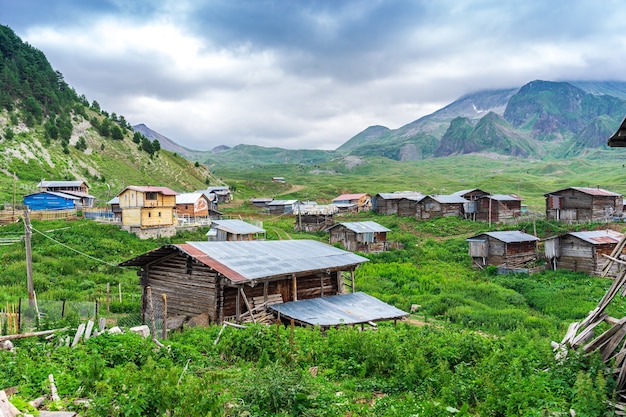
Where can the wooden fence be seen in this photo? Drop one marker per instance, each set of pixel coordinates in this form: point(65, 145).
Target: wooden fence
point(53, 214)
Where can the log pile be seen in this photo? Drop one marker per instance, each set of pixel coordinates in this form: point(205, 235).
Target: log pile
point(609, 343)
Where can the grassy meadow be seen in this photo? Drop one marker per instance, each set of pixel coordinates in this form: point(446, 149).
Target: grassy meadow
point(479, 345)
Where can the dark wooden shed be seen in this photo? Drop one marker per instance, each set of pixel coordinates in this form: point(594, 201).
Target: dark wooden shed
point(584, 251)
point(498, 207)
point(439, 206)
point(508, 249)
point(235, 280)
point(360, 236)
point(583, 204)
point(387, 203)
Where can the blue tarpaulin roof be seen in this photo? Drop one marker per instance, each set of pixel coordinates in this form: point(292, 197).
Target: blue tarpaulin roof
point(353, 308)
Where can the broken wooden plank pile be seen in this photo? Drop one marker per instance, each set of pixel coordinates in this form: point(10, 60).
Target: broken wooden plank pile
point(610, 343)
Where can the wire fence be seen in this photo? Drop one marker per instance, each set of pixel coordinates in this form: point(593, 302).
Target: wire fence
point(32, 315)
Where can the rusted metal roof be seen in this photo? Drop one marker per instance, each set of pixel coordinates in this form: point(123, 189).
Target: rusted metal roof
point(363, 227)
point(344, 197)
point(588, 190)
point(258, 260)
point(353, 308)
point(599, 237)
point(237, 227)
point(150, 188)
point(512, 236)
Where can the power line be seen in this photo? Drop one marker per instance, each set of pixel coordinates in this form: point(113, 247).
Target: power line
point(72, 249)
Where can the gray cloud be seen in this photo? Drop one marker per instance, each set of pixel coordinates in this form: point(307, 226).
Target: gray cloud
point(310, 74)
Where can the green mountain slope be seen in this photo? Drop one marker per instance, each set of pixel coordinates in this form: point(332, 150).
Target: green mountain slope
point(49, 132)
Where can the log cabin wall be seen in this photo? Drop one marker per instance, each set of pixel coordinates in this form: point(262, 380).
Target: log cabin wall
point(388, 207)
point(581, 256)
point(190, 286)
point(512, 255)
point(310, 286)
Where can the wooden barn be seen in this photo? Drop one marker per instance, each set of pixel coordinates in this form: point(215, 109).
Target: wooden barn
point(439, 206)
point(583, 251)
point(314, 218)
point(510, 249)
point(234, 230)
point(583, 204)
point(407, 206)
point(366, 237)
point(498, 207)
point(223, 281)
point(280, 207)
point(353, 202)
point(50, 200)
point(261, 202)
point(147, 207)
point(192, 205)
point(78, 189)
point(114, 206)
point(387, 203)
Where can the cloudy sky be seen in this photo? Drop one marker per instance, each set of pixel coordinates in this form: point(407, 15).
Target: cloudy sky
point(310, 73)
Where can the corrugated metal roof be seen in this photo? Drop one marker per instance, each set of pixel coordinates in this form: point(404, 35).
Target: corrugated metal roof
point(504, 197)
point(364, 227)
point(150, 188)
point(258, 259)
point(588, 190)
point(349, 197)
point(400, 194)
point(56, 184)
point(188, 198)
point(353, 308)
point(114, 200)
point(237, 227)
point(272, 258)
point(597, 237)
point(282, 203)
point(55, 193)
point(511, 236)
point(449, 199)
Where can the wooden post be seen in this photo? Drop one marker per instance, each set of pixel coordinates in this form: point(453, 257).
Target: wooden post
point(119, 288)
point(352, 278)
point(151, 311)
point(294, 289)
point(29, 259)
point(164, 325)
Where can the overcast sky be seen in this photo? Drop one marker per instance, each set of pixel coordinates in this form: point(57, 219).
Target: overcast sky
point(310, 74)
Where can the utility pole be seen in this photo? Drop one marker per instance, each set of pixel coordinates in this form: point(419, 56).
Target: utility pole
point(29, 259)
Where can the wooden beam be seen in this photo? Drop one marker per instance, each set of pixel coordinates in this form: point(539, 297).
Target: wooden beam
point(245, 300)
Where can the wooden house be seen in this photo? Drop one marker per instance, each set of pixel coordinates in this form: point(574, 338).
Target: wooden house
point(237, 280)
point(439, 206)
point(261, 202)
point(366, 237)
point(233, 230)
point(50, 200)
point(583, 204)
point(498, 207)
point(114, 206)
point(407, 206)
point(280, 207)
point(472, 196)
point(222, 193)
point(618, 139)
point(313, 218)
point(147, 207)
point(387, 203)
point(583, 251)
point(192, 205)
point(78, 189)
point(353, 202)
point(509, 249)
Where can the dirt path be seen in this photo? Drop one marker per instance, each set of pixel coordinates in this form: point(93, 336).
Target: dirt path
point(293, 189)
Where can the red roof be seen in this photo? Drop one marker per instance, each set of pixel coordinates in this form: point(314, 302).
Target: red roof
point(349, 197)
point(151, 189)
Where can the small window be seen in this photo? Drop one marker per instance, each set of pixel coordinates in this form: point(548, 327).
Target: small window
point(149, 214)
point(151, 196)
point(159, 214)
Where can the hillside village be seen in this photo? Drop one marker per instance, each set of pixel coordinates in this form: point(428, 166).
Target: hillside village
point(339, 291)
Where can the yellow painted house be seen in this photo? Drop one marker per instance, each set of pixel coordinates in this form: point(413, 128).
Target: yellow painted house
point(147, 206)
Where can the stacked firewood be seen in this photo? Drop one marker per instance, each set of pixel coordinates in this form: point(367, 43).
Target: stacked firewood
point(610, 342)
